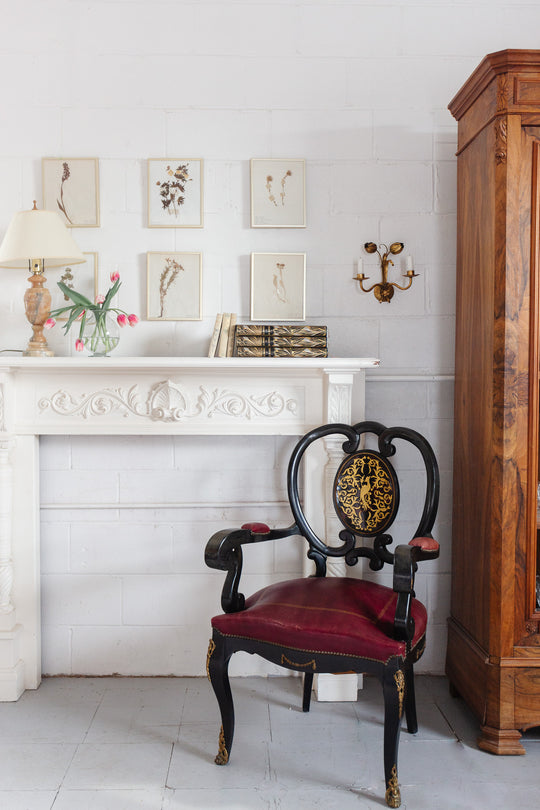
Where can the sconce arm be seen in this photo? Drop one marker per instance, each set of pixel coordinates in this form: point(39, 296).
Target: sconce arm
point(410, 275)
point(361, 280)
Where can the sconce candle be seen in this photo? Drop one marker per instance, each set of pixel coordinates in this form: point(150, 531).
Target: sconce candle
point(384, 289)
point(359, 269)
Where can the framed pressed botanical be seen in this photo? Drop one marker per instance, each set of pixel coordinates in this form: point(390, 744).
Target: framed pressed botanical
point(278, 193)
point(278, 286)
point(71, 188)
point(175, 193)
point(80, 277)
point(174, 286)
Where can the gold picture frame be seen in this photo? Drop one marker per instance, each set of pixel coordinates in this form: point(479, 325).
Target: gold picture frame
point(278, 287)
point(278, 193)
point(71, 188)
point(175, 193)
point(174, 286)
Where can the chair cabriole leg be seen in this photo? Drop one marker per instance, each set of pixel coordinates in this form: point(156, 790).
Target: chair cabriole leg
point(217, 666)
point(410, 700)
point(394, 695)
point(308, 685)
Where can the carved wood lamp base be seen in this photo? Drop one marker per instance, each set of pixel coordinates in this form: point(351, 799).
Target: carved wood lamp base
point(37, 305)
point(33, 350)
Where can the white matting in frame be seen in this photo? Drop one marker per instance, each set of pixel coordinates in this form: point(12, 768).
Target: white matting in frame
point(278, 286)
point(174, 286)
point(80, 277)
point(175, 193)
point(278, 193)
point(71, 188)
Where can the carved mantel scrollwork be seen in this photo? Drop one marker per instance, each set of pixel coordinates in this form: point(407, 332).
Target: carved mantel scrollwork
point(99, 403)
point(168, 402)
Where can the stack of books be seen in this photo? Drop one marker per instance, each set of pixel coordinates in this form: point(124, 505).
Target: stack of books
point(222, 340)
point(273, 340)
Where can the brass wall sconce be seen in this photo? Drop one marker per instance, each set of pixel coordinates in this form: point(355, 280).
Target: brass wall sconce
point(384, 289)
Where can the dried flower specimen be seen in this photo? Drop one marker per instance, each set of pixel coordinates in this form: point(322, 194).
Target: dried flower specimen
point(173, 188)
point(66, 174)
point(67, 279)
point(279, 284)
point(167, 278)
point(71, 188)
point(175, 192)
point(288, 173)
point(269, 180)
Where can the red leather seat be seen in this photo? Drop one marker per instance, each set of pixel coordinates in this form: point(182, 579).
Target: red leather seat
point(338, 615)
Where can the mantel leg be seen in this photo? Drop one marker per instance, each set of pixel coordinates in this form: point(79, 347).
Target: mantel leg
point(341, 687)
point(26, 554)
point(11, 664)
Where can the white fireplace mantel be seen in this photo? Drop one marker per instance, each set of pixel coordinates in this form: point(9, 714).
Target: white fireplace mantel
point(137, 396)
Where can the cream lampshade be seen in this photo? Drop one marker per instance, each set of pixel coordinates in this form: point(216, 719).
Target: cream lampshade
point(33, 240)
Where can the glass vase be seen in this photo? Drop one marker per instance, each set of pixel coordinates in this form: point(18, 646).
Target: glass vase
point(101, 334)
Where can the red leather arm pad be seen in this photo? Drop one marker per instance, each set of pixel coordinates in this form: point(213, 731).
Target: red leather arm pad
point(425, 543)
point(257, 528)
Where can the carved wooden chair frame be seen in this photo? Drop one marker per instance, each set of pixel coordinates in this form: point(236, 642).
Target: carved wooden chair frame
point(224, 552)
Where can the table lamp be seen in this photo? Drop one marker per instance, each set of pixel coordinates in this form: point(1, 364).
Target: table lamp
point(35, 239)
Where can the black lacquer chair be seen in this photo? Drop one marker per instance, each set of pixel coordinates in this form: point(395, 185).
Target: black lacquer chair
point(335, 624)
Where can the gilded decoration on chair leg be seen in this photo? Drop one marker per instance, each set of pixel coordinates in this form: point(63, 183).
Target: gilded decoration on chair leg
point(399, 678)
point(392, 795)
point(222, 754)
point(211, 648)
point(420, 647)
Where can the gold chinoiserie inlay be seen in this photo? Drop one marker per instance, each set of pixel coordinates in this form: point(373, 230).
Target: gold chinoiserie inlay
point(365, 493)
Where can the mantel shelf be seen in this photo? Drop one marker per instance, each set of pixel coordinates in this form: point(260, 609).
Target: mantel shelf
point(92, 364)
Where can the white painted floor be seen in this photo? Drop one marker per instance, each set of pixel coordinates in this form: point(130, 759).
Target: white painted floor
point(128, 743)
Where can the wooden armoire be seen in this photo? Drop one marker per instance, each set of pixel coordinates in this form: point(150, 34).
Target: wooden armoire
point(493, 657)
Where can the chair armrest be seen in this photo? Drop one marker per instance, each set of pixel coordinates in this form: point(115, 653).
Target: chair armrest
point(224, 552)
point(403, 585)
point(405, 565)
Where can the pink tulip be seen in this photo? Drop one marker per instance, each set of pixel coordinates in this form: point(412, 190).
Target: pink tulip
point(115, 276)
point(122, 320)
point(49, 323)
point(133, 320)
point(79, 345)
point(100, 299)
point(79, 317)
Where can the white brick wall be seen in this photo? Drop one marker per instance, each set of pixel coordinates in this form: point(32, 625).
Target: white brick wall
point(124, 584)
point(357, 88)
